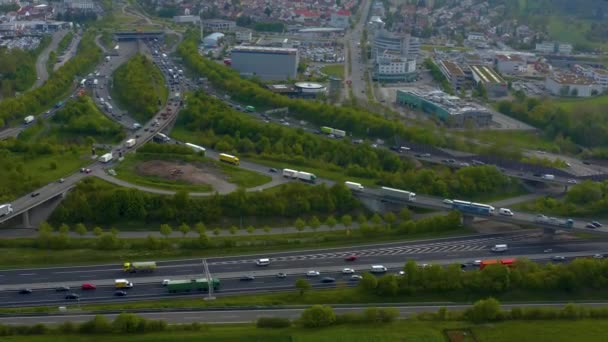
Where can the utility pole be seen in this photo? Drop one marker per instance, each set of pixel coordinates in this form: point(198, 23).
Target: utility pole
point(209, 281)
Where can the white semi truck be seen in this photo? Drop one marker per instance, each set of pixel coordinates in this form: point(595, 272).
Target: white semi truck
point(6, 209)
point(130, 143)
point(106, 158)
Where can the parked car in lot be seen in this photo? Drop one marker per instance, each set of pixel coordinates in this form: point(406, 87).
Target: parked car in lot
point(313, 273)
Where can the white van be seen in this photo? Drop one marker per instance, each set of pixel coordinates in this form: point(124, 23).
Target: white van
point(505, 212)
point(548, 177)
point(262, 262)
point(378, 269)
point(500, 248)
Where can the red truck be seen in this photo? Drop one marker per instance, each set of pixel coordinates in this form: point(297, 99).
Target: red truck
point(506, 262)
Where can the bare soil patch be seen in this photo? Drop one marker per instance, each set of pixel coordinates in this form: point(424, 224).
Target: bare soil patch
point(198, 173)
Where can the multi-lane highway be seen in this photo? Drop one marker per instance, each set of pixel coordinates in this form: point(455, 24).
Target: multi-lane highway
point(295, 264)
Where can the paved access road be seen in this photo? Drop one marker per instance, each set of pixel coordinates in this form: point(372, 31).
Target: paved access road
point(328, 262)
point(238, 315)
point(43, 58)
point(358, 66)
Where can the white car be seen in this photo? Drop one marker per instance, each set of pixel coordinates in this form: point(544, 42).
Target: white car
point(572, 181)
point(313, 273)
point(348, 271)
point(448, 201)
point(477, 262)
point(598, 256)
point(166, 282)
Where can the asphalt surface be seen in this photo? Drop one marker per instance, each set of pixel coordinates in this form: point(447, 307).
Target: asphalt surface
point(41, 70)
point(215, 316)
point(329, 262)
point(358, 66)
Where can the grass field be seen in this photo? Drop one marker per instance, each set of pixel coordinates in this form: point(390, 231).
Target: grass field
point(406, 330)
point(336, 70)
point(571, 105)
point(235, 175)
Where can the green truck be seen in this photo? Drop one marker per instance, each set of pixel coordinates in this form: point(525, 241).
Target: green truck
point(191, 285)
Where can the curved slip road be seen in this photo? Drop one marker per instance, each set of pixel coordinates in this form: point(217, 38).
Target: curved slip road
point(43, 59)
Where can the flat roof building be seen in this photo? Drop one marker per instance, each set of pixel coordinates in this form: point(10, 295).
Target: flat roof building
point(454, 73)
point(219, 25)
point(491, 81)
point(510, 64)
point(452, 110)
point(570, 84)
point(265, 62)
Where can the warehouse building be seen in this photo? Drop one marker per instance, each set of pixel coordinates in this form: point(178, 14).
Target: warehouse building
point(454, 73)
point(491, 81)
point(452, 110)
point(569, 84)
point(265, 62)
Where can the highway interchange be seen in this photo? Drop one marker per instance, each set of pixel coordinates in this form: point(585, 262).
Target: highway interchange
point(230, 269)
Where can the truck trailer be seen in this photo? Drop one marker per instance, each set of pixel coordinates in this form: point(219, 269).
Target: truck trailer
point(398, 194)
point(289, 173)
point(354, 186)
point(191, 285)
point(473, 208)
point(307, 177)
point(130, 143)
point(123, 284)
point(28, 119)
point(6, 209)
point(553, 221)
point(197, 149)
point(134, 267)
point(106, 158)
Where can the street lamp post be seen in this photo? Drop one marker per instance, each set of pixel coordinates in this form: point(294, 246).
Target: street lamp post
point(209, 281)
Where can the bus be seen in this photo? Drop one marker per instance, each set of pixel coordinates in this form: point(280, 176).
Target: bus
point(398, 194)
point(473, 208)
point(226, 158)
point(196, 148)
point(250, 109)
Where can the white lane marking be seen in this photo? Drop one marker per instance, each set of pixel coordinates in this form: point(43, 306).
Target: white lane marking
point(27, 274)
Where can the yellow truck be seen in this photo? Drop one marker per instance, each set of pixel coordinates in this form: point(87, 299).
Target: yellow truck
point(133, 267)
point(226, 158)
point(123, 284)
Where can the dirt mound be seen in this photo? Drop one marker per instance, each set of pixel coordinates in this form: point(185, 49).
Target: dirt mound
point(186, 173)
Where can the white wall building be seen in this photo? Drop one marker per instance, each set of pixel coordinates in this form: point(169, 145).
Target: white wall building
point(565, 49)
point(243, 36)
point(545, 47)
point(219, 25)
point(569, 84)
point(340, 19)
point(79, 4)
point(510, 64)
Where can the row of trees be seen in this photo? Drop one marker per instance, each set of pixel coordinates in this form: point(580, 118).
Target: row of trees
point(227, 130)
point(100, 203)
point(139, 87)
point(55, 87)
point(579, 275)
point(588, 126)
point(584, 199)
point(353, 120)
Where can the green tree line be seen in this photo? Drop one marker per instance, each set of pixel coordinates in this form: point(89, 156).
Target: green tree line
point(578, 276)
point(99, 203)
point(353, 120)
point(219, 126)
point(35, 101)
point(139, 87)
point(584, 199)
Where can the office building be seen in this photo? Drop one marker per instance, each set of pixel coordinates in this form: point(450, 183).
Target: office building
point(452, 110)
point(265, 62)
point(454, 73)
point(243, 36)
point(406, 45)
point(340, 19)
point(510, 64)
point(391, 67)
point(219, 25)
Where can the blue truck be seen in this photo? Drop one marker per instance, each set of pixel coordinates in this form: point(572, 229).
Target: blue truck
point(473, 208)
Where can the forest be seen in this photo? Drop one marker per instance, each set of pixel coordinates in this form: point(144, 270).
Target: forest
point(139, 87)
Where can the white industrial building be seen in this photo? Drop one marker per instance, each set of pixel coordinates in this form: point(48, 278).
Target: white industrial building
point(553, 47)
point(213, 39)
point(219, 25)
point(510, 64)
point(266, 63)
point(187, 19)
point(243, 36)
point(569, 84)
point(79, 4)
point(340, 19)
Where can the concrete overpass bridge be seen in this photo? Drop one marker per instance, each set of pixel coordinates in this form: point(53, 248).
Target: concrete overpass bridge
point(134, 35)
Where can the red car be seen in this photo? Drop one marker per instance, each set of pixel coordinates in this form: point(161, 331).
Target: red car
point(350, 258)
point(88, 286)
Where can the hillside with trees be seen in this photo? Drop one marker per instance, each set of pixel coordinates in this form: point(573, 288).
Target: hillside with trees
point(139, 87)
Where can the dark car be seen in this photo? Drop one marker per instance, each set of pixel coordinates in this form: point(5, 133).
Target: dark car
point(328, 280)
point(247, 278)
point(590, 226)
point(25, 291)
point(273, 170)
point(72, 296)
point(34, 194)
point(62, 289)
point(281, 275)
point(596, 224)
point(351, 258)
point(120, 293)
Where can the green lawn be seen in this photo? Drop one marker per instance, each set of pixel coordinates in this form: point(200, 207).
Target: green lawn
point(571, 105)
point(235, 175)
point(405, 330)
point(336, 70)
